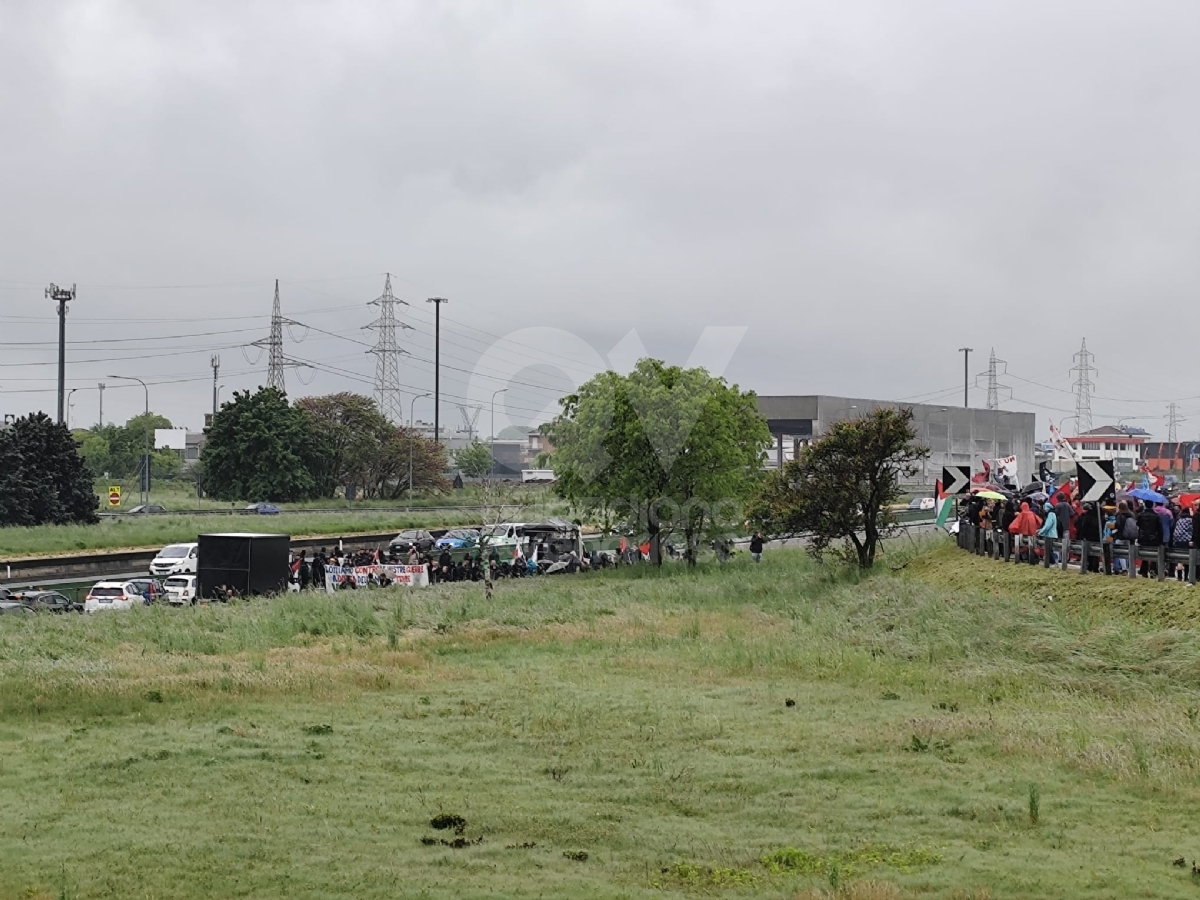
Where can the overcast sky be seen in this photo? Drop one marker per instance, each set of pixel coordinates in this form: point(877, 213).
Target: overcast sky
point(865, 186)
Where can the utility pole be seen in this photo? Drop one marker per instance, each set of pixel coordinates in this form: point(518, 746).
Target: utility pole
point(1173, 422)
point(1083, 388)
point(966, 352)
point(216, 367)
point(61, 296)
point(994, 387)
point(273, 344)
point(101, 386)
point(437, 364)
point(387, 354)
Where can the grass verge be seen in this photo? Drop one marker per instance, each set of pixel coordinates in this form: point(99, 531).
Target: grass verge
point(772, 730)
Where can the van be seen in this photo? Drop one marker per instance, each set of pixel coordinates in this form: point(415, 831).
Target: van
point(506, 535)
point(175, 559)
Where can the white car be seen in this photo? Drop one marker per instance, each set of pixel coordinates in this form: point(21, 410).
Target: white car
point(175, 559)
point(181, 590)
point(1194, 485)
point(113, 595)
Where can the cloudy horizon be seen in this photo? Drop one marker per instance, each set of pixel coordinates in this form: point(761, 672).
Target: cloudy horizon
point(865, 187)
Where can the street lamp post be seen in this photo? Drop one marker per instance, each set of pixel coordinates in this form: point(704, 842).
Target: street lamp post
point(411, 440)
point(145, 485)
point(69, 393)
point(492, 469)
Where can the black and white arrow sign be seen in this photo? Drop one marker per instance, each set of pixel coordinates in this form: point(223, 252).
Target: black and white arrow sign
point(956, 479)
point(1097, 483)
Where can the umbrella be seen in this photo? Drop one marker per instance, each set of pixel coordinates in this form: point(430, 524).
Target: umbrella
point(991, 495)
point(1037, 495)
point(1147, 495)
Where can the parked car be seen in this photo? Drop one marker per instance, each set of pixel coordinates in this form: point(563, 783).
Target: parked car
point(181, 590)
point(263, 509)
point(457, 539)
point(113, 595)
point(48, 601)
point(145, 509)
point(13, 607)
point(405, 539)
point(175, 559)
point(1194, 485)
point(503, 537)
point(921, 503)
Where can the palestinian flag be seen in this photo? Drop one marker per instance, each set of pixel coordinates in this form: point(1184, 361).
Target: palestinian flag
point(943, 505)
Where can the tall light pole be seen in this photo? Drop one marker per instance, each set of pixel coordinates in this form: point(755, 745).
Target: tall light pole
point(492, 470)
point(68, 419)
point(437, 363)
point(61, 296)
point(966, 352)
point(411, 439)
point(145, 485)
point(101, 386)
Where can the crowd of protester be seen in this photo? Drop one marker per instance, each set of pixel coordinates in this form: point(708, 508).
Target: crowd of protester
point(1116, 526)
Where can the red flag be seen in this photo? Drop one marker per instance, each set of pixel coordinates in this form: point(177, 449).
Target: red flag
point(938, 488)
point(624, 544)
point(645, 548)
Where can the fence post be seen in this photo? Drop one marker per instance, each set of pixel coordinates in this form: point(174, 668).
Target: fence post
point(1162, 562)
point(1047, 551)
point(1191, 566)
point(1005, 544)
point(1066, 554)
point(1135, 555)
point(1084, 553)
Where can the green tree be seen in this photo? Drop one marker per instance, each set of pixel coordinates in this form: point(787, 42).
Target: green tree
point(678, 450)
point(354, 433)
point(261, 448)
point(43, 479)
point(429, 464)
point(842, 487)
point(475, 459)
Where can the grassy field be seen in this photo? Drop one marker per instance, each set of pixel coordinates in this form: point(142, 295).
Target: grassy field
point(758, 731)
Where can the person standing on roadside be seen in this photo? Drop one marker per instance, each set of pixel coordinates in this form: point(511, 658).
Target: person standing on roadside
point(1063, 514)
point(303, 571)
point(756, 546)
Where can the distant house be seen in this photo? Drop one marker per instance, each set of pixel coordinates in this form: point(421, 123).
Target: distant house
point(1119, 443)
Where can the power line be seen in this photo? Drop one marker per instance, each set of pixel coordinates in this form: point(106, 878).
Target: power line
point(387, 354)
point(993, 385)
point(1084, 387)
point(1174, 420)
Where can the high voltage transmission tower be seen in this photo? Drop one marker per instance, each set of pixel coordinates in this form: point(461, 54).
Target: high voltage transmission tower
point(1174, 420)
point(273, 344)
point(387, 354)
point(993, 386)
point(1083, 387)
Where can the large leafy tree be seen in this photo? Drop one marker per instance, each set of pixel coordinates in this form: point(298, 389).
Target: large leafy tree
point(261, 448)
point(354, 433)
point(676, 450)
point(389, 476)
point(841, 488)
point(43, 479)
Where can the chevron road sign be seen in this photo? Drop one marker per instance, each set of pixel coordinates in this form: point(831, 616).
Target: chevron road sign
point(1097, 483)
point(956, 479)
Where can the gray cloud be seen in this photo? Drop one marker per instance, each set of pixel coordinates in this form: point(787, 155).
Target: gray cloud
point(868, 186)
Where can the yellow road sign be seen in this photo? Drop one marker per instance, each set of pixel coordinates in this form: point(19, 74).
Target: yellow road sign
point(114, 495)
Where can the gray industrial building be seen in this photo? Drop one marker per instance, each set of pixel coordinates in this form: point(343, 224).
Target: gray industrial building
point(954, 435)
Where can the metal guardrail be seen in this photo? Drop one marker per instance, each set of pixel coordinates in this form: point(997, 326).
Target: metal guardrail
point(1122, 558)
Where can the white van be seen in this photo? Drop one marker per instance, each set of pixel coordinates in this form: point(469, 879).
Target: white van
point(504, 536)
point(175, 559)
